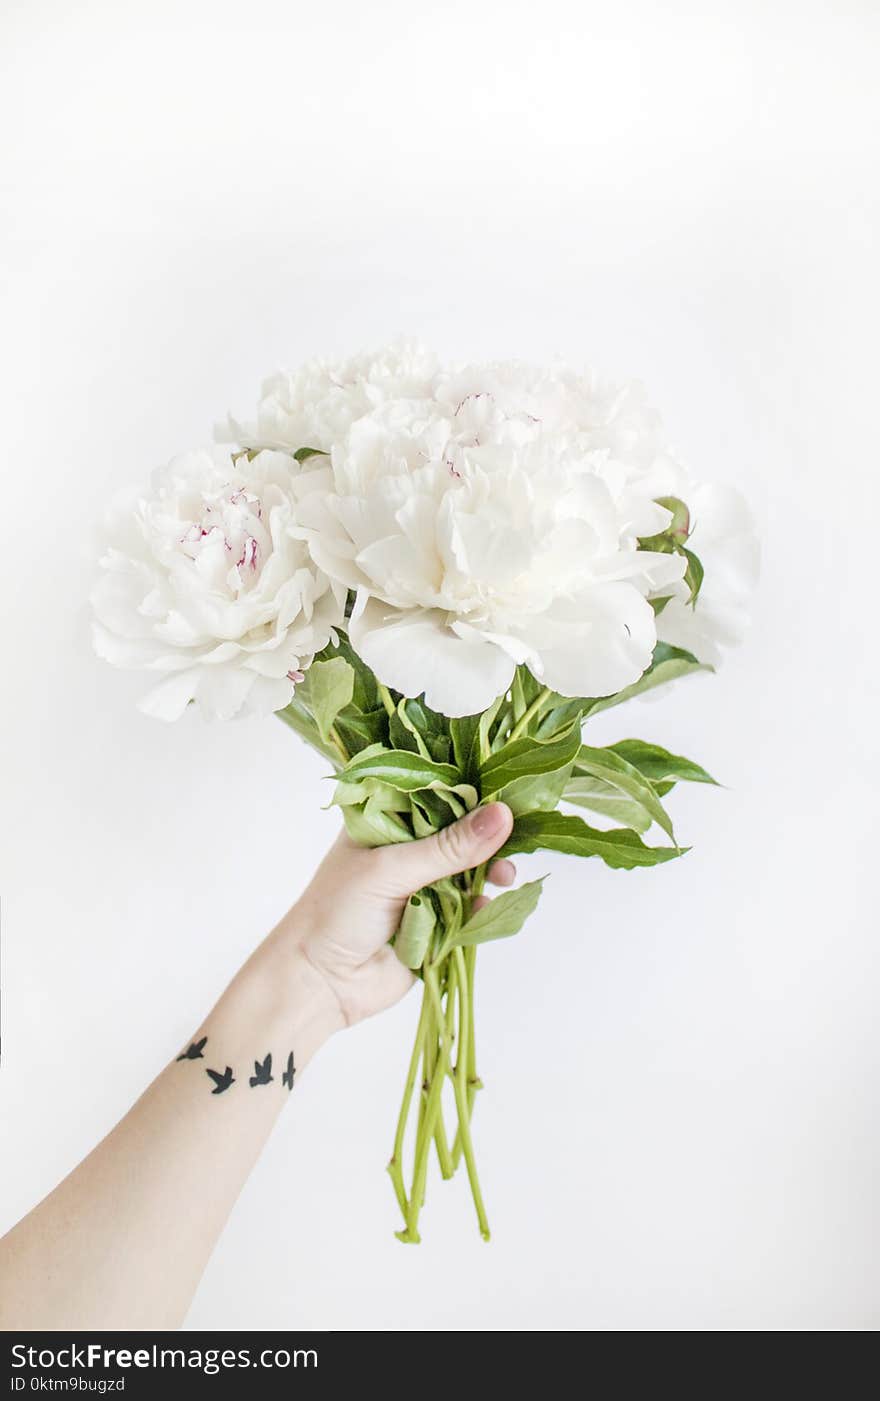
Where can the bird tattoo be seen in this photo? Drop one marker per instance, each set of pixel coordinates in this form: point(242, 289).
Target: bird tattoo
point(262, 1072)
point(221, 1082)
point(194, 1051)
point(287, 1077)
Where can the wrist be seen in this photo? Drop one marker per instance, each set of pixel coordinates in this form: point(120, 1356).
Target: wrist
point(291, 996)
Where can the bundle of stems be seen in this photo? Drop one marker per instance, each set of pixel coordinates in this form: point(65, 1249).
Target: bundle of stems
point(444, 1049)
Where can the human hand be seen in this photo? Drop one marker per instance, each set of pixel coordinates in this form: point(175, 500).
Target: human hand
point(341, 924)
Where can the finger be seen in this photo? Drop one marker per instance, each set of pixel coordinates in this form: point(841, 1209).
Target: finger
point(479, 902)
point(458, 847)
point(501, 872)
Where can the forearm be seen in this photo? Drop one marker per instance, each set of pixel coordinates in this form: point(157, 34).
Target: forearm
point(123, 1241)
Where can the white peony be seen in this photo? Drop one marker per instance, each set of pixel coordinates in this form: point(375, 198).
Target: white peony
point(490, 515)
point(314, 406)
point(624, 437)
point(479, 530)
point(204, 584)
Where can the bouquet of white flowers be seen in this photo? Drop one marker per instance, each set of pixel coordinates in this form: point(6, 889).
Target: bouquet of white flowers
point(435, 576)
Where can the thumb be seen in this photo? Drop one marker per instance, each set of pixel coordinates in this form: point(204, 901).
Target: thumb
point(468, 842)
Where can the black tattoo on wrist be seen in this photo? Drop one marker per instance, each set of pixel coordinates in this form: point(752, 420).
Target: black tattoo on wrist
point(262, 1072)
point(221, 1082)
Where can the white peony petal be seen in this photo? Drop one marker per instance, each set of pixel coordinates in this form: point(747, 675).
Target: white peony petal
point(223, 692)
point(267, 695)
point(597, 643)
point(416, 651)
point(169, 699)
point(650, 570)
point(515, 648)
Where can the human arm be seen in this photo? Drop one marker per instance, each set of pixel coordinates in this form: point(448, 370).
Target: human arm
point(122, 1242)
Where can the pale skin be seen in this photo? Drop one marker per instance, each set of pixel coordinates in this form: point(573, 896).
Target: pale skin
point(122, 1242)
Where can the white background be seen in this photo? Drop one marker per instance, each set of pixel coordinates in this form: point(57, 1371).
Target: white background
point(680, 1125)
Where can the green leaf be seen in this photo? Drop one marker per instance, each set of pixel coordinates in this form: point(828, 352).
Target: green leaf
point(374, 828)
point(517, 696)
point(658, 764)
point(539, 792)
point(297, 718)
point(561, 716)
point(366, 692)
point(413, 937)
point(402, 770)
point(331, 687)
point(441, 749)
point(415, 727)
point(680, 525)
point(424, 821)
point(460, 797)
point(693, 575)
point(672, 540)
point(668, 663)
point(464, 733)
point(528, 756)
point(487, 720)
point(596, 795)
point(384, 798)
point(430, 722)
point(558, 831)
point(502, 917)
point(614, 769)
point(403, 734)
point(531, 686)
point(448, 896)
point(443, 805)
point(665, 652)
point(358, 729)
point(377, 796)
point(303, 454)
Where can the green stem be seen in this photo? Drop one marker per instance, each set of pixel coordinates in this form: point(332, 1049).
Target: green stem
point(534, 709)
point(334, 735)
point(427, 1044)
point(459, 1079)
point(447, 1167)
point(505, 720)
point(470, 961)
point(395, 1167)
point(474, 1082)
point(474, 882)
point(449, 978)
point(478, 881)
point(432, 1108)
point(517, 695)
point(431, 1053)
point(385, 697)
point(444, 1156)
point(431, 1057)
point(432, 982)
